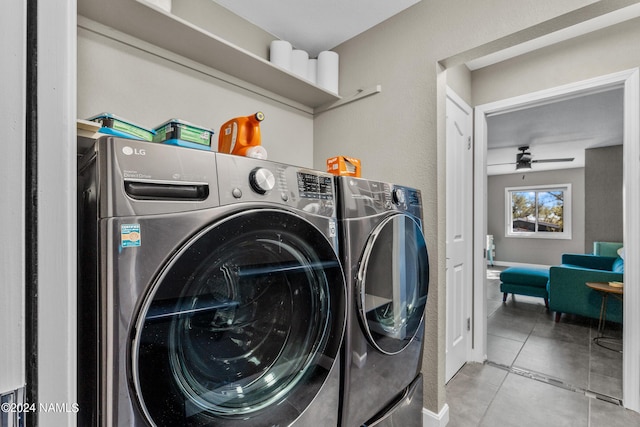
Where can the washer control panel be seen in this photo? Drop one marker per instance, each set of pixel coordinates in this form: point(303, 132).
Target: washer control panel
point(315, 186)
point(243, 179)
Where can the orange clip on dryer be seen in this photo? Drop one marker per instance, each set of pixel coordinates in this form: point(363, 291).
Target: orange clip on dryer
point(241, 136)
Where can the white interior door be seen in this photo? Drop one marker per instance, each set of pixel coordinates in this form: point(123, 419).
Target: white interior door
point(459, 219)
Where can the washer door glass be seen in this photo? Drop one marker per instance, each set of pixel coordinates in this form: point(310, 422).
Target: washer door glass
point(248, 314)
point(392, 283)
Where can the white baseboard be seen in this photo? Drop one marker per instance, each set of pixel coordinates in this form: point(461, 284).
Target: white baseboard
point(431, 419)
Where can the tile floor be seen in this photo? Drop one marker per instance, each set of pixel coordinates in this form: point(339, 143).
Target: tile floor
point(539, 372)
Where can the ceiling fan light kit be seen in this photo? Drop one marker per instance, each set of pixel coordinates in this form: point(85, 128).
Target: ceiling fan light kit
point(523, 165)
point(523, 159)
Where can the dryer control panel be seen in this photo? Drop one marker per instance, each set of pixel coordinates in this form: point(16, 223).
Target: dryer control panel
point(361, 198)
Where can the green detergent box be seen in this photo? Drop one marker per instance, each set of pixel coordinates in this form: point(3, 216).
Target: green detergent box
point(184, 134)
point(117, 126)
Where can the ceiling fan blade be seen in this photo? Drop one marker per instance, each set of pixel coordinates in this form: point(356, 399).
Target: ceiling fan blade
point(566, 159)
point(500, 164)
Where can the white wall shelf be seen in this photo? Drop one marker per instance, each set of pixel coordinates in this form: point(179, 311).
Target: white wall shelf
point(156, 26)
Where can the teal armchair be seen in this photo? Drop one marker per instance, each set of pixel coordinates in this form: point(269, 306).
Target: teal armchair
point(569, 294)
point(606, 248)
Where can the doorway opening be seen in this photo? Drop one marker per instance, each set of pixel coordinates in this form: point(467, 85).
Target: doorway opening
point(628, 81)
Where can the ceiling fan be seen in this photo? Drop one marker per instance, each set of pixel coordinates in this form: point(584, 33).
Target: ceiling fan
point(524, 159)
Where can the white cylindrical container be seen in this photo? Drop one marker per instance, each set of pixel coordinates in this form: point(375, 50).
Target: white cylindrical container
point(257, 152)
point(328, 67)
point(299, 63)
point(312, 70)
point(280, 54)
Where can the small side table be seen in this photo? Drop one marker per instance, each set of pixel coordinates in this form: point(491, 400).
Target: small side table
point(605, 289)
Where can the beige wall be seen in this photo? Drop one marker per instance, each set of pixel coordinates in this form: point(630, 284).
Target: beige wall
point(399, 133)
point(459, 80)
point(606, 51)
point(604, 202)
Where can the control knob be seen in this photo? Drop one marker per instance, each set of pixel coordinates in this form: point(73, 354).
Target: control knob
point(262, 180)
point(398, 196)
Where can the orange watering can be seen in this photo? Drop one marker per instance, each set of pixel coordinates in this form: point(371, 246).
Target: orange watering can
point(241, 136)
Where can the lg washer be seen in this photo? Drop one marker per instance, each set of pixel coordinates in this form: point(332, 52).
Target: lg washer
point(210, 292)
point(387, 273)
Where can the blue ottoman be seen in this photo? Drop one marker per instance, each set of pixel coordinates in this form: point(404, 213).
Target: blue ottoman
point(530, 281)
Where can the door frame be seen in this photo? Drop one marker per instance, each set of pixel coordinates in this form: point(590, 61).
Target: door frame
point(629, 80)
point(56, 183)
point(13, 105)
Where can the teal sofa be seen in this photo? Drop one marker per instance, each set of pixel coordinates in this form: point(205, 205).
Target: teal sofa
point(568, 292)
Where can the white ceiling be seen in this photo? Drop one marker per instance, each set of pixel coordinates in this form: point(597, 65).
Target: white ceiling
point(316, 25)
point(558, 130)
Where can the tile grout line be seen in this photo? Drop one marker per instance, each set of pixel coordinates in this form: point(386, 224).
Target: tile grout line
point(525, 341)
point(486, 409)
point(509, 369)
point(484, 414)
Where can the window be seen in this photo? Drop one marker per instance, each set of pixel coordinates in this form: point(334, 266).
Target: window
point(539, 212)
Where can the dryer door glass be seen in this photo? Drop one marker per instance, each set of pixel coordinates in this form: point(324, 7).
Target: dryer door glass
point(242, 326)
point(392, 283)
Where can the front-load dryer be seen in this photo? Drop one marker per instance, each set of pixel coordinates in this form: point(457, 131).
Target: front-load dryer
point(210, 292)
point(387, 273)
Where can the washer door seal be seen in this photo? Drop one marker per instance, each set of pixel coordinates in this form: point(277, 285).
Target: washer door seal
point(242, 325)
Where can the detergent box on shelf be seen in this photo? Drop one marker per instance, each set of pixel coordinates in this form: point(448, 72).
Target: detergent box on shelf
point(117, 126)
point(184, 134)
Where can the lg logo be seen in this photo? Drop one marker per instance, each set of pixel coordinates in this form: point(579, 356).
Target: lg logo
point(137, 151)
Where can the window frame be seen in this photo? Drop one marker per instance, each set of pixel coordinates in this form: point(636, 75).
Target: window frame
point(566, 234)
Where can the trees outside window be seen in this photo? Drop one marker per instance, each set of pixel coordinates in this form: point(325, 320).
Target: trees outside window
point(542, 211)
